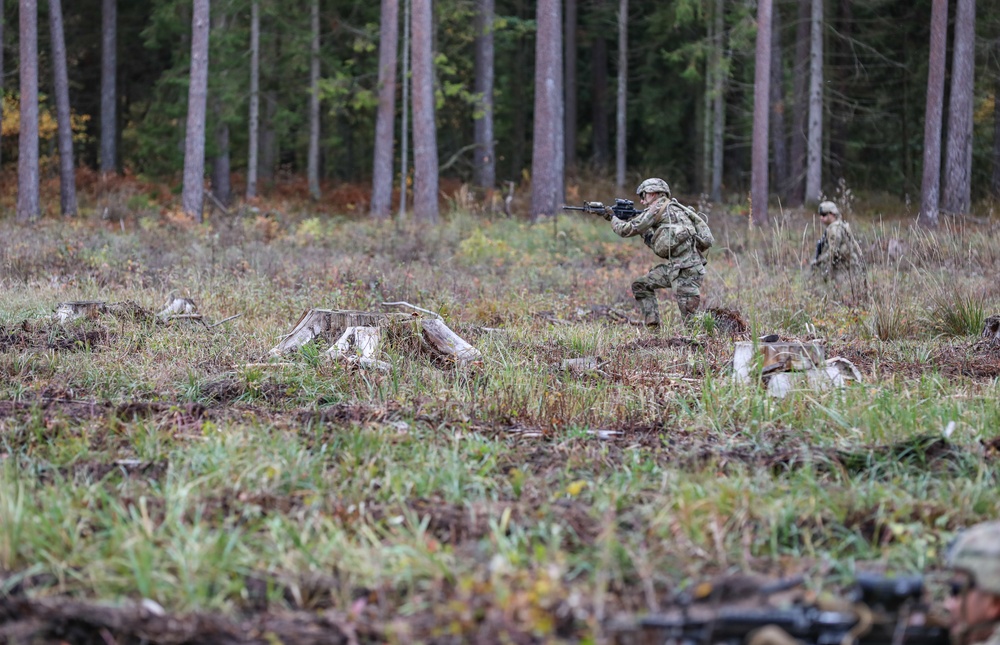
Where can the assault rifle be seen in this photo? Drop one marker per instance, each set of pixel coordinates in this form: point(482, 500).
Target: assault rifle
point(820, 245)
point(881, 611)
point(623, 208)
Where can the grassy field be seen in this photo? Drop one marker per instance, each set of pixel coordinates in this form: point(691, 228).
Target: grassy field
point(504, 501)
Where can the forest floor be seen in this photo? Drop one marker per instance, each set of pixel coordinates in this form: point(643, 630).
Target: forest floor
point(176, 483)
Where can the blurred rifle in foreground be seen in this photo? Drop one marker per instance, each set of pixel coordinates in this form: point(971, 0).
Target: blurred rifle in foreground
point(623, 208)
point(878, 611)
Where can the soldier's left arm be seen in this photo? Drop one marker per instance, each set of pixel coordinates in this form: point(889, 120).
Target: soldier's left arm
point(641, 222)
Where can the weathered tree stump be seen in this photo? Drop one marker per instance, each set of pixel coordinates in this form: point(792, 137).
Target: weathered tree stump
point(91, 309)
point(585, 365)
point(177, 308)
point(991, 328)
point(358, 346)
point(359, 333)
point(77, 309)
point(776, 357)
point(327, 324)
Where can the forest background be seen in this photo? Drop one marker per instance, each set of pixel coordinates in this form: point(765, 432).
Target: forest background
point(669, 91)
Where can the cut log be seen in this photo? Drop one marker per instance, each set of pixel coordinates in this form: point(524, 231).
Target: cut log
point(447, 343)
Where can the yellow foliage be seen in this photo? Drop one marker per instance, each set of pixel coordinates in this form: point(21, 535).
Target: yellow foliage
point(47, 126)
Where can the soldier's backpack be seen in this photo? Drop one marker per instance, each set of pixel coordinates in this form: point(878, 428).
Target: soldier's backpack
point(703, 238)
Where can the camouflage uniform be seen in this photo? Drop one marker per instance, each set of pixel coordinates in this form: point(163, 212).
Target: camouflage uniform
point(838, 260)
point(976, 553)
point(668, 231)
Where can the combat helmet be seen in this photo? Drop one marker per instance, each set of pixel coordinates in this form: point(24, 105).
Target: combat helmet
point(653, 185)
point(977, 553)
point(828, 207)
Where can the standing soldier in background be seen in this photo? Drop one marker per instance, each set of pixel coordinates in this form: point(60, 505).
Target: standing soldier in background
point(838, 260)
point(974, 603)
point(675, 233)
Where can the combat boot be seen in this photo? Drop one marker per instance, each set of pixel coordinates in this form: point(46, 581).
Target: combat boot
point(650, 312)
point(688, 306)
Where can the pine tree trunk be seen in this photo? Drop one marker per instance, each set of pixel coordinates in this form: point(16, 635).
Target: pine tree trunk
point(268, 138)
point(254, 126)
point(484, 166)
point(221, 181)
point(569, 82)
point(192, 198)
point(931, 182)
point(602, 138)
point(385, 117)
point(800, 110)
point(3, 24)
point(519, 128)
point(425, 154)
point(404, 134)
point(761, 96)
point(778, 138)
point(109, 95)
point(313, 159)
point(956, 194)
point(544, 168)
point(705, 181)
point(559, 125)
point(996, 130)
point(28, 198)
point(67, 176)
point(719, 97)
point(839, 79)
point(814, 139)
point(622, 97)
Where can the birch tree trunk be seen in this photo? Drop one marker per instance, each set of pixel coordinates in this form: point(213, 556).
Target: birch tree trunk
point(956, 196)
point(28, 198)
point(814, 139)
point(777, 100)
point(569, 82)
point(67, 170)
point(931, 180)
point(109, 92)
point(548, 44)
point(254, 126)
point(706, 138)
point(800, 110)
point(761, 96)
point(425, 154)
point(385, 117)
point(313, 157)
point(192, 198)
point(719, 110)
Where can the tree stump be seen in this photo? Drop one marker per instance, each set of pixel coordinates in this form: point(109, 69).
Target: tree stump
point(76, 309)
point(776, 357)
point(327, 324)
point(358, 346)
point(177, 307)
point(991, 328)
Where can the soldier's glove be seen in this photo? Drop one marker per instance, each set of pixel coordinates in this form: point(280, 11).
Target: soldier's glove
point(600, 209)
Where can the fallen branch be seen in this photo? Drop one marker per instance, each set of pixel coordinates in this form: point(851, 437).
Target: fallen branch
point(224, 320)
point(420, 309)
